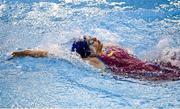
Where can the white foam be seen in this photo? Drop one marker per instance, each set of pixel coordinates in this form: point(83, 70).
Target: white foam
point(117, 8)
point(160, 50)
point(106, 35)
point(163, 6)
point(75, 1)
point(71, 1)
point(117, 3)
point(175, 3)
point(164, 43)
point(2, 8)
point(163, 52)
point(171, 55)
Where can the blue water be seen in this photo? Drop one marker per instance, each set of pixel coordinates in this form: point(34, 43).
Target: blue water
point(66, 81)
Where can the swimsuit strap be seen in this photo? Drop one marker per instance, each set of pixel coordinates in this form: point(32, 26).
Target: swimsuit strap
point(108, 52)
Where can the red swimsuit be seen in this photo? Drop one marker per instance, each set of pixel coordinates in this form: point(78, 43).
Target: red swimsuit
point(122, 63)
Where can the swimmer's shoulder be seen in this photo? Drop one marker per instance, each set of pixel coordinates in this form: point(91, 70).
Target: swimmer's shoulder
point(94, 61)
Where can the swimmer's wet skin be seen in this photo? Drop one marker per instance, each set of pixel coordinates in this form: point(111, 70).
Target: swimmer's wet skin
point(32, 53)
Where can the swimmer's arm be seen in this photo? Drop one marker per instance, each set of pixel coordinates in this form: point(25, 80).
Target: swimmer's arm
point(94, 61)
point(32, 53)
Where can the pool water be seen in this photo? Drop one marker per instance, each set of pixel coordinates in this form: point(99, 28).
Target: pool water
point(144, 27)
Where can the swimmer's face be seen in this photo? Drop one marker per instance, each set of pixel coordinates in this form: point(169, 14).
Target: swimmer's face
point(97, 45)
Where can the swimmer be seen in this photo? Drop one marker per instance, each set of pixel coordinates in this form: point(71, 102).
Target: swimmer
point(115, 58)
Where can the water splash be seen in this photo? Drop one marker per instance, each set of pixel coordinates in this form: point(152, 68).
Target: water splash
point(142, 26)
